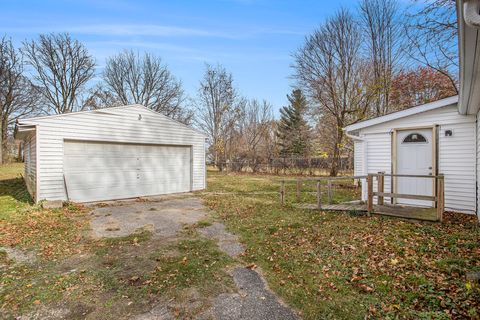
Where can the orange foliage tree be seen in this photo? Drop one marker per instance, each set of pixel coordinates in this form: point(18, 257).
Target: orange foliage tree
point(419, 86)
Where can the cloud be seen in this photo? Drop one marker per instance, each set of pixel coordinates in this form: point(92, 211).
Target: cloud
point(154, 30)
point(145, 30)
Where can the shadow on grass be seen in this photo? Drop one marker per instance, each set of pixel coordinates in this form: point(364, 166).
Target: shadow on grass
point(16, 189)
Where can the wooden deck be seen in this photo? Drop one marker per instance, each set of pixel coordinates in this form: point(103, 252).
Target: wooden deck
point(400, 211)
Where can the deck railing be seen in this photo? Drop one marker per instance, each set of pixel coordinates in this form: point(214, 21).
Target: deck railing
point(437, 198)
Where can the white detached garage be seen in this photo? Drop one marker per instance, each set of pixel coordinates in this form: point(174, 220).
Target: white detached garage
point(112, 153)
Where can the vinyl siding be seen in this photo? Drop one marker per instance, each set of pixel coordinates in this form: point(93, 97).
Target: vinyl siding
point(478, 161)
point(457, 161)
point(357, 158)
point(117, 125)
point(378, 159)
point(457, 157)
point(30, 156)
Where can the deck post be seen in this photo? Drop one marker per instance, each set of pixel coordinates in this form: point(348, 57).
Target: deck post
point(282, 192)
point(440, 197)
point(319, 195)
point(370, 194)
point(380, 187)
point(330, 195)
point(299, 183)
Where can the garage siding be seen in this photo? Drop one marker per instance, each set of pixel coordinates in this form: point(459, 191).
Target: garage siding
point(456, 159)
point(131, 124)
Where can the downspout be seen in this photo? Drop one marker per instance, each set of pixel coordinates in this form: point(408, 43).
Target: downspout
point(364, 160)
point(471, 13)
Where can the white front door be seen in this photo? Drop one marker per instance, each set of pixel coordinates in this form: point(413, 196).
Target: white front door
point(415, 157)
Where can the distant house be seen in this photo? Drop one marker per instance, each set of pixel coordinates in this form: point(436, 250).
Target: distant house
point(112, 153)
point(441, 137)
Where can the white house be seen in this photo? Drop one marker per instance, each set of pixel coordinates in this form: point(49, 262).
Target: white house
point(112, 153)
point(441, 137)
point(425, 140)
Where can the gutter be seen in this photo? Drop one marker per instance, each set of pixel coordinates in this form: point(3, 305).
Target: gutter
point(356, 138)
point(468, 16)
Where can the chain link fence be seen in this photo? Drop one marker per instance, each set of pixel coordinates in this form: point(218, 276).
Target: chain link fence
point(314, 166)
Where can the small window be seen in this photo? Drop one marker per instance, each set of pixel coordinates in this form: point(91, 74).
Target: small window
point(414, 138)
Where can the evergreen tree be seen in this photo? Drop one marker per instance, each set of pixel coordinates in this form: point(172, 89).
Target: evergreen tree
point(293, 130)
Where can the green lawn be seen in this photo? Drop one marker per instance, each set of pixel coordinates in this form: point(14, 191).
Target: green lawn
point(343, 266)
point(13, 194)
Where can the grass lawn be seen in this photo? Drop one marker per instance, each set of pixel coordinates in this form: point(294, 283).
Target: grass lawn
point(78, 277)
point(326, 265)
point(344, 266)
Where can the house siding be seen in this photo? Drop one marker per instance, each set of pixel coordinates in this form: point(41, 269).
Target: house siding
point(457, 155)
point(358, 158)
point(378, 159)
point(478, 161)
point(118, 125)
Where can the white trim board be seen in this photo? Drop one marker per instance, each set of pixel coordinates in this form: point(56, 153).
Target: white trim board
point(404, 113)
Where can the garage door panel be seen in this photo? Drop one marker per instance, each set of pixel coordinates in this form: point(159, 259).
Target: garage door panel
point(100, 163)
point(100, 179)
point(102, 171)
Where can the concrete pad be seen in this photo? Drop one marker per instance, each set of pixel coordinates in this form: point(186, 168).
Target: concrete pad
point(159, 312)
point(19, 256)
point(227, 242)
point(163, 218)
point(55, 204)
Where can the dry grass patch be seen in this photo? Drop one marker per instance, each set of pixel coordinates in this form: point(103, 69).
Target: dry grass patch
point(331, 265)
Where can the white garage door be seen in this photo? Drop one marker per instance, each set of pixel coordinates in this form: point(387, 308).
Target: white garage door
point(104, 171)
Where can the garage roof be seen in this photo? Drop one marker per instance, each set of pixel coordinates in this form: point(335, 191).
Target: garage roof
point(112, 110)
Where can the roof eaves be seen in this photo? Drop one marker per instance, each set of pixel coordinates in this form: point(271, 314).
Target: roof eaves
point(403, 113)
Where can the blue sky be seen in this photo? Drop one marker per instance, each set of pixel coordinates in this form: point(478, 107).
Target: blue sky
point(253, 39)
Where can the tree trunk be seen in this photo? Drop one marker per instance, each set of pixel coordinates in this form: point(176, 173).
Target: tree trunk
point(336, 152)
point(1, 145)
point(4, 133)
point(20, 152)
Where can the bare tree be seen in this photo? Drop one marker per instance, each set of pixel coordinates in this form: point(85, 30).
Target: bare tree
point(62, 66)
point(217, 106)
point(254, 122)
point(98, 97)
point(432, 37)
point(18, 97)
point(330, 68)
point(146, 80)
point(383, 30)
